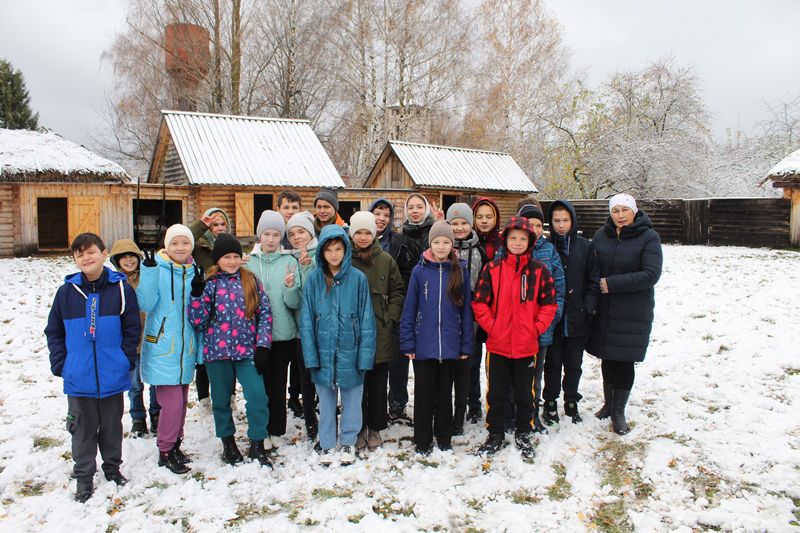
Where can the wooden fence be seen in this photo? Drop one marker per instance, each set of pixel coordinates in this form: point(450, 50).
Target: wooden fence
point(750, 222)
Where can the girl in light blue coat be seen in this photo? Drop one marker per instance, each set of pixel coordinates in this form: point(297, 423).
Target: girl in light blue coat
point(170, 348)
point(337, 327)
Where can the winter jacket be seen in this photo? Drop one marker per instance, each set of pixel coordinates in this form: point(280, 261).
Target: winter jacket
point(219, 314)
point(433, 327)
point(338, 221)
point(582, 275)
point(515, 300)
point(120, 248)
point(387, 294)
point(337, 327)
point(171, 346)
point(92, 332)
point(270, 269)
point(470, 250)
point(306, 269)
point(417, 236)
point(631, 263)
point(491, 240)
point(204, 239)
point(546, 253)
point(397, 244)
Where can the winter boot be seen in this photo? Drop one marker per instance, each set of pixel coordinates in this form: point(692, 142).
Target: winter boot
point(494, 443)
point(474, 415)
point(117, 478)
point(550, 413)
point(523, 442)
point(619, 400)
point(230, 452)
point(374, 440)
point(179, 455)
point(605, 411)
point(325, 457)
point(571, 410)
point(258, 453)
point(154, 423)
point(84, 491)
point(361, 440)
point(312, 430)
point(139, 427)
point(296, 407)
point(538, 427)
point(458, 421)
point(168, 460)
point(347, 455)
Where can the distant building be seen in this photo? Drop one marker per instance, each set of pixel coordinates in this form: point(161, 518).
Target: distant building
point(786, 175)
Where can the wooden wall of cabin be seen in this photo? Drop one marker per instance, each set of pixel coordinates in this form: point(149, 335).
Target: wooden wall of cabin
point(7, 219)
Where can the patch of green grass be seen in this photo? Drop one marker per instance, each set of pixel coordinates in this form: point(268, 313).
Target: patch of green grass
point(402, 456)
point(160, 512)
point(198, 476)
point(355, 519)
point(698, 316)
point(425, 462)
point(561, 490)
point(29, 488)
point(390, 507)
point(612, 518)
point(476, 504)
point(45, 443)
point(657, 374)
point(708, 337)
point(293, 514)
point(160, 485)
point(524, 497)
point(327, 494)
point(248, 511)
point(705, 484)
point(310, 522)
point(793, 371)
point(67, 455)
point(723, 349)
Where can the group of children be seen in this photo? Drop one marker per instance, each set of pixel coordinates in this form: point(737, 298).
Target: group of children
point(351, 305)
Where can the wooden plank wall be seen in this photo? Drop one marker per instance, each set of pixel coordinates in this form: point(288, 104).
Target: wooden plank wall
point(7, 219)
point(749, 222)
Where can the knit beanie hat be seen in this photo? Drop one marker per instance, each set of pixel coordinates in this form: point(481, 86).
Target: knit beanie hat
point(441, 229)
point(177, 230)
point(622, 199)
point(271, 220)
point(330, 196)
point(225, 244)
point(531, 211)
point(460, 211)
point(363, 220)
point(304, 219)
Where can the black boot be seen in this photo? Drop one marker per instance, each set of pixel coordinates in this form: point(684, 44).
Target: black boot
point(550, 413)
point(571, 410)
point(84, 491)
point(168, 460)
point(139, 427)
point(494, 443)
point(296, 407)
point(181, 457)
point(258, 453)
point(473, 415)
point(538, 427)
point(523, 442)
point(458, 421)
point(117, 478)
point(154, 423)
point(230, 452)
point(605, 411)
point(619, 400)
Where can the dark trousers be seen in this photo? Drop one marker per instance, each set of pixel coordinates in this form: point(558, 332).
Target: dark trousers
point(295, 389)
point(398, 383)
point(433, 401)
point(95, 423)
point(566, 353)
point(307, 389)
point(461, 384)
point(201, 382)
point(275, 384)
point(504, 372)
point(619, 373)
point(373, 403)
point(474, 395)
point(538, 371)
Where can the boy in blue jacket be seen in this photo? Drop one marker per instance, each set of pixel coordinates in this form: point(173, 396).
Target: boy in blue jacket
point(92, 334)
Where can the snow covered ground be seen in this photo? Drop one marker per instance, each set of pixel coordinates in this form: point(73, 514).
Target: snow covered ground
point(715, 443)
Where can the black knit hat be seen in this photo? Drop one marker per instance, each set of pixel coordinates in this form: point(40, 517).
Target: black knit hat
point(225, 244)
point(531, 211)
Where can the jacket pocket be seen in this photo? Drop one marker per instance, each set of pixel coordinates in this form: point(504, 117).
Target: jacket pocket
point(155, 338)
point(73, 419)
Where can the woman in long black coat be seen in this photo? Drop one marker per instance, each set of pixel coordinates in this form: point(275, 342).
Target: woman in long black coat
point(629, 253)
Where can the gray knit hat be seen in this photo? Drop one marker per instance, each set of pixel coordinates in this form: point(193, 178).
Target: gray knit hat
point(530, 211)
point(330, 196)
point(363, 220)
point(460, 211)
point(303, 219)
point(271, 220)
point(441, 229)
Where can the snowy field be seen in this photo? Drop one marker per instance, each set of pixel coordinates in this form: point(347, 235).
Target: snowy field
point(715, 444)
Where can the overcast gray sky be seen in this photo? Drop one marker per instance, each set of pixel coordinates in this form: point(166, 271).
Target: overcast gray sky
point(745, 50)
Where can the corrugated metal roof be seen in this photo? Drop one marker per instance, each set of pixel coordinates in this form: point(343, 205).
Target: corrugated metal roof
point(236, 150)
point(460, 168)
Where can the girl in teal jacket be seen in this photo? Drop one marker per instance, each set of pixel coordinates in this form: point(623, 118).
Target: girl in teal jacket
point(337, 327)
point(171, 348)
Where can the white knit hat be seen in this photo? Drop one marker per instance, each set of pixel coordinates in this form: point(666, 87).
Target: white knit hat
point(622, 199)
point(363, 220)
point(271, 220)
point(176, 230)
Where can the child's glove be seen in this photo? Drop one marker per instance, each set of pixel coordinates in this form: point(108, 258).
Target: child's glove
point(198, 281)
point(149, 258)
point(261, 360)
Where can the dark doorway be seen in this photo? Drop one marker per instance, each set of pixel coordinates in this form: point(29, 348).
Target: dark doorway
point(447, 201)
point(52, 223)
point(261, 203)
point(348, 209)
point(154, 217)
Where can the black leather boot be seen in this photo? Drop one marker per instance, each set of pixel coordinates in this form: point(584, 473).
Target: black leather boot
point(181, 457)
point(230, 452)
point(605, 411)
point(619, 399)
point(259, 453)
point(458, 420)
point(168, 460)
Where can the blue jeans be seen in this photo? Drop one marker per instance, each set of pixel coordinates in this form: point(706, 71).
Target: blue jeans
point(136, 395)
point(351, 415)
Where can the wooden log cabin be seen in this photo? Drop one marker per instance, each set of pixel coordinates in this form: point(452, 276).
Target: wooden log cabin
point(786, 175)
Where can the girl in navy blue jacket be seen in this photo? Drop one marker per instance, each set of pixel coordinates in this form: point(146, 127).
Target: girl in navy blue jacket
point(435, 333)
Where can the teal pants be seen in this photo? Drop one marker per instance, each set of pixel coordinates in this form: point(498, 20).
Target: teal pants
point(223, 375)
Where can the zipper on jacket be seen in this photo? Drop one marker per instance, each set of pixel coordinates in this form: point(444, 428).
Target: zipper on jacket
point(183, 322)
point(96, 374)
point(425, 289)
point(440, 312)
point(161, 329)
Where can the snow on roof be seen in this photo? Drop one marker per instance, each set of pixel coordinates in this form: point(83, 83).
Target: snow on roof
point(32, 156)
point(461, 168)
point(238, 150)
point(788, 166)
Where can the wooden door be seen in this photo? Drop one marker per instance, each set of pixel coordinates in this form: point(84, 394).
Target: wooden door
point(244, 214)
point(83, 215)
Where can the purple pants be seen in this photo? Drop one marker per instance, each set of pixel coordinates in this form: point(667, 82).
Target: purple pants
point(173, 400)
